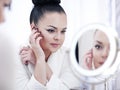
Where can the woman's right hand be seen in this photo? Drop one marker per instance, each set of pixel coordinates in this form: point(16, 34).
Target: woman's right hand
point(88, 59)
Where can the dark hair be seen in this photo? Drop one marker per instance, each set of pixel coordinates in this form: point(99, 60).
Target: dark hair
point(43, 6)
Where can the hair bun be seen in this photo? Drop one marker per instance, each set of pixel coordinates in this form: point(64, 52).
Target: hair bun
point(43, 2)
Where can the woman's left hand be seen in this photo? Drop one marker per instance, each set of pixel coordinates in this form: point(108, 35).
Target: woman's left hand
point(27, 55)
point(35, 38)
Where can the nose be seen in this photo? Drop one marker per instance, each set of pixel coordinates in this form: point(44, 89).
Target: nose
point(105, 53)
point(57, 36)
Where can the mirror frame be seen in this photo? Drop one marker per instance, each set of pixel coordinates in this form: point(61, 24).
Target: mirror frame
point(104, 72)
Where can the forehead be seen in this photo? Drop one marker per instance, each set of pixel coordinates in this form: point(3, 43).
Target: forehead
point(101, 36)
point(54, 18)
point(5, 1)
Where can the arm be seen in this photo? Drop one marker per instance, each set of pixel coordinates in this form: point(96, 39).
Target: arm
point(43, 72)
point(39, 77)
point(66, 79)
point(40, 65)
point(25, 80)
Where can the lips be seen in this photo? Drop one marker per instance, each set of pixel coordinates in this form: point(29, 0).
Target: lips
point(101, 63)
point(55, 45)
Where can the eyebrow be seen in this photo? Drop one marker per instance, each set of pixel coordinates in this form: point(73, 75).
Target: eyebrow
point(99, 42)
point(55, 27)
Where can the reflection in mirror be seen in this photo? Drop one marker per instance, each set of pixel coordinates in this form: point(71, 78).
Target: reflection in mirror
point(93, 53)
point(92, 49)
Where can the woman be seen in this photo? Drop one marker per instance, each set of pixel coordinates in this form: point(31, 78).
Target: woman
point(6, 52)
point(96, 57)
point(48, 68)
point(3, 4)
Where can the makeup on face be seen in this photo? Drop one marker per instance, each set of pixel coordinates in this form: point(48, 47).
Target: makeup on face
point(98, 45)
point(52, 29)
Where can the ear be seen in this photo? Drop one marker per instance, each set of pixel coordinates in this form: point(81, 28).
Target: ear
point(33, 26)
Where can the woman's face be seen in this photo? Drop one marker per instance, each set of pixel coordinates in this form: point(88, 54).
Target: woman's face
point(52, 27)
point(101, 48)
point(3, 4)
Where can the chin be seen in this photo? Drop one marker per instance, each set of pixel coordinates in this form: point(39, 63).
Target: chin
point(54, 50)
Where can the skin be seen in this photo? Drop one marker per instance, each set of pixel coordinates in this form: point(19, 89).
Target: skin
point(3, 5)
point(101, 48)
point(52, 31)
point(99, 53)
point(46, 37)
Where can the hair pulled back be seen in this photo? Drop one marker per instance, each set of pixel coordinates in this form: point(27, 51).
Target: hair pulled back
point(43, 6)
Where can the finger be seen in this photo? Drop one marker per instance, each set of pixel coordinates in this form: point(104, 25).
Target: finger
point(89, 63)
point(34, 37)
point(92, 52)
point(25, 52)
point(24, 61)
point(88, 60)
point(38, 40)
point(24, 49)
point(89, 52)
point(34, 31)
point(24, 56)
point(21, 50)
point(37, 31)
point(89, 56)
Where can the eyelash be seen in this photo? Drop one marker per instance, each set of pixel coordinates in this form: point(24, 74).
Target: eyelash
point(52, 31)
point(63, 31)
point(98, 47)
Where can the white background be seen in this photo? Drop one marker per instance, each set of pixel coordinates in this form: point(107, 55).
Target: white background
point(79, 13)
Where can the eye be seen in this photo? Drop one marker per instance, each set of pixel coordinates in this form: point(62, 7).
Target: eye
point(50, 30)
point(63, 31)
point(7, 5)
point(98, 47)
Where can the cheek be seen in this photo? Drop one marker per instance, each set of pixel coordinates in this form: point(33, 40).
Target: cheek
point(1, 14)
point(45, 37)
point(96, 55)
point(62, 38)
point(46, 40)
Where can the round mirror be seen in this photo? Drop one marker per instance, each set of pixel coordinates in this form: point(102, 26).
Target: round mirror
point(93, 53)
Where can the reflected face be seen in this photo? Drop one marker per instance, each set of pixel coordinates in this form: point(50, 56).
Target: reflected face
point(52, 27)
point(101, 48)
point(3, 5)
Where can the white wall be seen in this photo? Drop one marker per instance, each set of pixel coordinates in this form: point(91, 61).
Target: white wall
point(79, 12)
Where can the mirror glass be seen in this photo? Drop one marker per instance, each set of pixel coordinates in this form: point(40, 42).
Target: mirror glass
point(92, 49)
point(93, 53)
